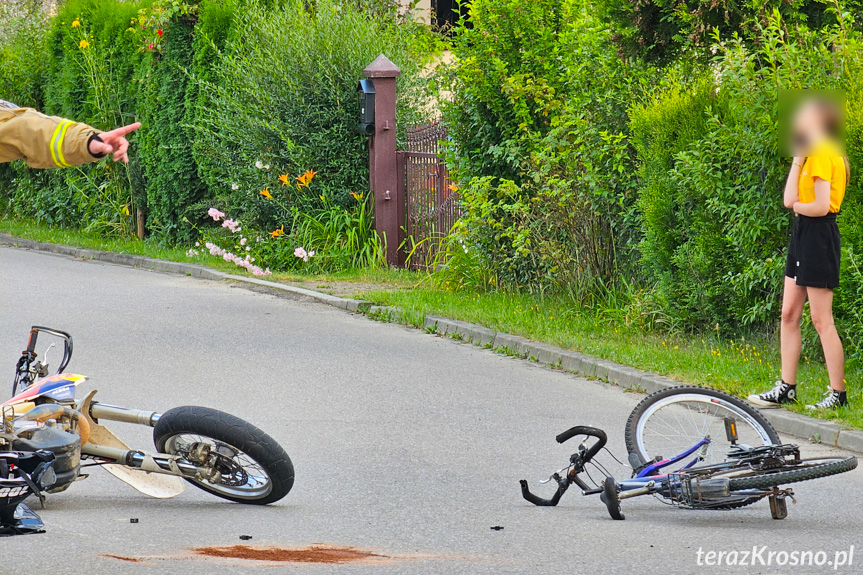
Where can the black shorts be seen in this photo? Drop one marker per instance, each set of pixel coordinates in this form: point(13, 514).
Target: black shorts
point(814, 253)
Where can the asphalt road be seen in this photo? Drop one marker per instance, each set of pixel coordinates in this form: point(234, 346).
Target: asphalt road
point(405, 443)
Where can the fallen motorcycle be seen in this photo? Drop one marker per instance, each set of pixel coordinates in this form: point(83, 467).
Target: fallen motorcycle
point(213, 450)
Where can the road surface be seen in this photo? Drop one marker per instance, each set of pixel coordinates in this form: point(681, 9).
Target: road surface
point(404, 443)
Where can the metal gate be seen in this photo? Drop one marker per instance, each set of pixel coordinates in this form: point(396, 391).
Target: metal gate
point(431, 200)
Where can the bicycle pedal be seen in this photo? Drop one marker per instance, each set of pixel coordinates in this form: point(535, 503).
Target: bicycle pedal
point(778, 507)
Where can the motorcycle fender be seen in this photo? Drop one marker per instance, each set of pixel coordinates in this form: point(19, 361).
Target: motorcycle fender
point(156, 485)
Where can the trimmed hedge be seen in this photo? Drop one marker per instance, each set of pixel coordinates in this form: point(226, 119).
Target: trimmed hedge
point(224, 84)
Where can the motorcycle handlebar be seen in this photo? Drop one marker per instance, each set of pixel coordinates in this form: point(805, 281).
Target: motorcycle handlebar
point(67, 343)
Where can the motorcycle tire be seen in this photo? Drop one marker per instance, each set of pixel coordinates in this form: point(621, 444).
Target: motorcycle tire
point(227, 431)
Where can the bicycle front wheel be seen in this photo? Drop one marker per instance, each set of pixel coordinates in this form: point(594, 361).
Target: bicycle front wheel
point(670, 421)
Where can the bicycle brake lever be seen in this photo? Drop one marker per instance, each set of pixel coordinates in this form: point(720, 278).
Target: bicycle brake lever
point(554, 475)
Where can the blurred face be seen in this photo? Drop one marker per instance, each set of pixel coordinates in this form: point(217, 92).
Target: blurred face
point(808, 127)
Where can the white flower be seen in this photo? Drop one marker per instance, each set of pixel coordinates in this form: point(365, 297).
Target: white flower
point(267, 167)
point(259, 165)
point(235, 187)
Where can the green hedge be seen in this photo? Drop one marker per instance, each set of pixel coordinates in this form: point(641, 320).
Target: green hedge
point(597, 175)
point(226, 83)
point(283, 95)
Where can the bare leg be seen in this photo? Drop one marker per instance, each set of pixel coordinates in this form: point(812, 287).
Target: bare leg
point(821, 308)
point(793, 298)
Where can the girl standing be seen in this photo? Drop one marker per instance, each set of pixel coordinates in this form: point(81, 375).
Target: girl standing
point(814, 190)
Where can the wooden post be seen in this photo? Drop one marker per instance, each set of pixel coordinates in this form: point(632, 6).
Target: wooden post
point(141, 223)
point(383, 167)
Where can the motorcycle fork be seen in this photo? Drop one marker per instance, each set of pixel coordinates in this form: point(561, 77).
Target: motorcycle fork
point(120, 453)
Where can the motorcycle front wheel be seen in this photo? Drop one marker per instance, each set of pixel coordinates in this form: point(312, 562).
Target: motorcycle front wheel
point(252, 468)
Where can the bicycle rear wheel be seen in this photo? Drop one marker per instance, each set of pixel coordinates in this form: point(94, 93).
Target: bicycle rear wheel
point(672, 420)
point(804, 471)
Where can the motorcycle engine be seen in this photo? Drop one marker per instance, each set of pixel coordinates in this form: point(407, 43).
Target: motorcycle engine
point(65, 446)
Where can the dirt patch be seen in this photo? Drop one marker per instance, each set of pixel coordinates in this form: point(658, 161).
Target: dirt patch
point(121, 558)
point(311, 554)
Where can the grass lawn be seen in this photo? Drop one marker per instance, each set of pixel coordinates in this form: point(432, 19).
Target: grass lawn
point(739, 366)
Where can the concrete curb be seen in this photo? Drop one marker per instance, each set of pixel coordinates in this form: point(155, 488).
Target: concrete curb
point(787, 422)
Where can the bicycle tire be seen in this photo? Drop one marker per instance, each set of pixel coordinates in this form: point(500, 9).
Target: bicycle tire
point(632, 423)
point(795, 475)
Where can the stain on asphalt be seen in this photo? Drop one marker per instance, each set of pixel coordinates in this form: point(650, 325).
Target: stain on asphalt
point(315, 553)
point(121, 558)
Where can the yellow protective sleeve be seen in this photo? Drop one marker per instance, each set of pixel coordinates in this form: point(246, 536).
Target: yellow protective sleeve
point(43, 141)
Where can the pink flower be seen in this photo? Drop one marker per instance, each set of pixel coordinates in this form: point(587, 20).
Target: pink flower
point(150, 46)
point(215, 214)
point(301, 253)
point(243, 241)
point(232, 225)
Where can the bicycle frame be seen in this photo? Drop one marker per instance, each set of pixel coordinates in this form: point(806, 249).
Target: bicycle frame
point(648, 478)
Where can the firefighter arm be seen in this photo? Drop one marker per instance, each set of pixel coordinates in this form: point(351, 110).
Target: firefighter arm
point(45, 141)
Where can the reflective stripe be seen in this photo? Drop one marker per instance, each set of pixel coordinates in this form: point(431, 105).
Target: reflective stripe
point(57, 144)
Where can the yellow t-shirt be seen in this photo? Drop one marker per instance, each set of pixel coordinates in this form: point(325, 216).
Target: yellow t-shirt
point(825, 161)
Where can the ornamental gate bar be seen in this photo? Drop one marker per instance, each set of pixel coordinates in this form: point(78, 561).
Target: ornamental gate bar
point(431, 201)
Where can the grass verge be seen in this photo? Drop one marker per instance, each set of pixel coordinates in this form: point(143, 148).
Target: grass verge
point(348, 283)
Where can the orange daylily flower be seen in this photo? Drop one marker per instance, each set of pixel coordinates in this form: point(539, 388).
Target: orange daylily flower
point(453, 188)
point(266, 193)
point(357, 197)
point(278, 232)
point(306, 178)
point(284, 179)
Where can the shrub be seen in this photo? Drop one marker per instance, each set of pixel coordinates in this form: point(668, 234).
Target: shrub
point(506, 85)
point(284, 95)
point(174, 190)
point(662, 30)
point(539, 143)
point(89, 72)
point(717, 248)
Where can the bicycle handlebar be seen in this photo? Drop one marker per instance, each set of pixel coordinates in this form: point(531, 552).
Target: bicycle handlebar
point(599, 434)
point(525, 492)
